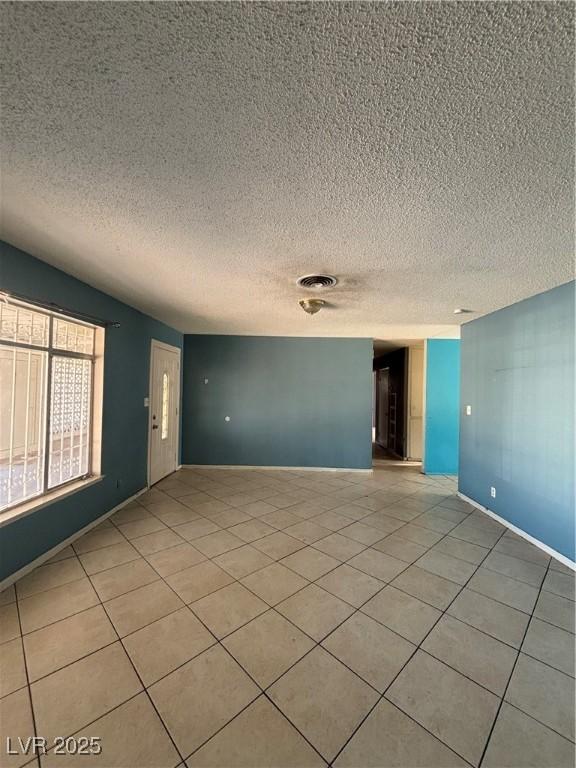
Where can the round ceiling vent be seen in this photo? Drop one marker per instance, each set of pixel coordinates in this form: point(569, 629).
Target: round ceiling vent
point(317, 281)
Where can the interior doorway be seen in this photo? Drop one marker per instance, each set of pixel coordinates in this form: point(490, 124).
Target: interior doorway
point(163, 430)
point(382, 408)
point(399, 402)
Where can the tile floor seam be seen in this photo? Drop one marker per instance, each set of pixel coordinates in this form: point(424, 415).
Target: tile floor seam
point(218, 641)
point(128, 591)
point(511, 675)
point(247, 706)
point(316, 645)
point(44, 591)
point(293, 664)
point(556, 594)
point(463, 586)
point(461, 559)
point(519, 581)
point(418, 648)
point(459, 671)
point(109, 568)
point(51, 623)
point(517, 557)
point(79, 658)
point(496, 600)
point(275, 705)
point(481, 631)
point(28, 684)
point(545, 664)
point(356, 610)
point(138, 676)
point(548, 727)
point(87, 725)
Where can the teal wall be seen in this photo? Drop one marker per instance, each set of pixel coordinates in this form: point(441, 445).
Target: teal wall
point(518, 376)
point(442, 406)
point(296, 402)
point(125, 420)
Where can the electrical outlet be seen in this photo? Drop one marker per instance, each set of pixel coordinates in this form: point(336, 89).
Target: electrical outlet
point(493, 492)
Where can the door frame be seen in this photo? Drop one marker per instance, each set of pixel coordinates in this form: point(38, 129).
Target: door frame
point(155, 343)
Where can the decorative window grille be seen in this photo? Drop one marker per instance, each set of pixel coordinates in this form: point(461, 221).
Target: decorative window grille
point(46, 391)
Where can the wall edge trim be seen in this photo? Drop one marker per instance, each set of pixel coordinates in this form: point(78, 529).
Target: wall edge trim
point(29, 567)
point(278, 468)
point(537, 543)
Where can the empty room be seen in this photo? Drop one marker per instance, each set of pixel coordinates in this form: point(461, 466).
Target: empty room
point(287, 384)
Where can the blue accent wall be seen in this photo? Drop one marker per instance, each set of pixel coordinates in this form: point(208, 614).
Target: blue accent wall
point(125, 419)
point(518, 376)
point(297, 402)
point(442, 406)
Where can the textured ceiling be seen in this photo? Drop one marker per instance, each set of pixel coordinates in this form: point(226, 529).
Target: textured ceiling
point(193, 159)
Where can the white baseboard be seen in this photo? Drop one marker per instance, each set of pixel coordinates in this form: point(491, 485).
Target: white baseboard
point(277, 469)
point(537, 543)
point(9, 580)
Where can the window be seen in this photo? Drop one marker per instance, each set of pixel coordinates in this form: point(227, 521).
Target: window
point(46, 401)
point(165, 404)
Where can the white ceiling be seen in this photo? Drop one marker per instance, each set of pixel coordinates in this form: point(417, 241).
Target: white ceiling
point(193, 159)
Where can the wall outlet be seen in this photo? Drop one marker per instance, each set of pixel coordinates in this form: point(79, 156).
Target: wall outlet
point(493, 492)
point(468, 410)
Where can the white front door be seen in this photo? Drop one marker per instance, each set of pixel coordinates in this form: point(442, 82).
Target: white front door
point(164, 410)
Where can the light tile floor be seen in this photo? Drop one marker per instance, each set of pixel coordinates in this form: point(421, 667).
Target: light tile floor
point(281, 618)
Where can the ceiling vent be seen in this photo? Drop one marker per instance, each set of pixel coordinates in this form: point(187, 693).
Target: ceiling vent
point(317, 281)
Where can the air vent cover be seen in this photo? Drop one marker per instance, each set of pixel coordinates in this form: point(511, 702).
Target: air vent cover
point(317, 281)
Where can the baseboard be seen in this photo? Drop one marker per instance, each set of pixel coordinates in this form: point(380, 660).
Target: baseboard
point(9, 580)
point(537, 543)
point(278, 469)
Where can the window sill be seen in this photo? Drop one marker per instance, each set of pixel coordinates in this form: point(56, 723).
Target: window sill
point(33, 505)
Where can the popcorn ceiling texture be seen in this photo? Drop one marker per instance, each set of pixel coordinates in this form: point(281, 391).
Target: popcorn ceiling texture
point(193, 159)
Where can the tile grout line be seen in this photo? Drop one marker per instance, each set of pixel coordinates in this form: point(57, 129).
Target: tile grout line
point(28, 684)
point(329, 532)
point(512, 674)
point(144, 689)
point(418, 647)
point(218, 641)
point(316, 645)
point(274, 607)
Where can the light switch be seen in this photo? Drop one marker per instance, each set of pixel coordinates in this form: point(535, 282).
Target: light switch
point(205, 381)
point(146, 402)
point(468, 410)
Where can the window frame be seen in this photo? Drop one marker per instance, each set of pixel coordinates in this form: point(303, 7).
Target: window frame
point(95, 404)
